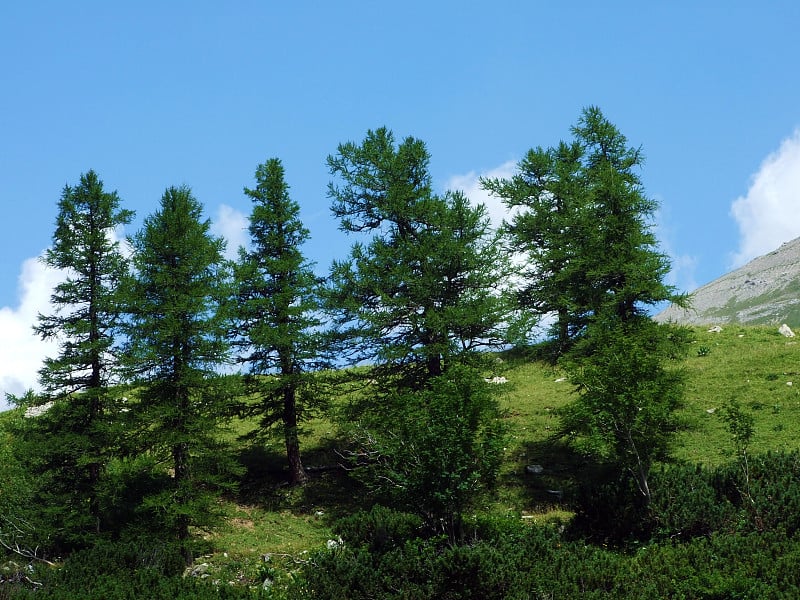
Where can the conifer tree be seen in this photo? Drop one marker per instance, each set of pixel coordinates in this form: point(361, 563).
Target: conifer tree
point(547, 200)
point(425, 288)
point(625, 270)
point(72, 440)
point(417, 300)
point(176, 344)
point(276, 311)
point(584, 222)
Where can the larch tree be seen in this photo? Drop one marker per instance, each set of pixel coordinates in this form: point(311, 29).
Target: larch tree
point(176, 345)
point(625, 269)
point(624, 366)
point(546, 199)
point(424, 290)
point(72, 442)
point(276, 313)
point(585, 224)
point(416, 300)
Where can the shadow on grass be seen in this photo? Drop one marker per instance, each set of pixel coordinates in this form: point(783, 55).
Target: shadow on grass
point(329, 486)
point(548, 475)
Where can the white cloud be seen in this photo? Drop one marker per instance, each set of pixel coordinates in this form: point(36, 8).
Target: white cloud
point(767, 215)
point(471, 186)
point(22, 352)
point(231, 225)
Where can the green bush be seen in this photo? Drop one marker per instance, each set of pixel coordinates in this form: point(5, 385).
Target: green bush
point(609, 509)
point(379, 530)
point(687, 504)
point(438, 450)
point(517, 561)
point(126, 571)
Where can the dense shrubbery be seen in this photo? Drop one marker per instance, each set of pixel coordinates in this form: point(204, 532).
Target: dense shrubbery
point(438, 452)
point(505, 558)
point(122, 571)
point(692, 501)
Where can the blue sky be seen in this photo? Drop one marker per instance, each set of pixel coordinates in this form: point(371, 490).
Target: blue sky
point(153, 94)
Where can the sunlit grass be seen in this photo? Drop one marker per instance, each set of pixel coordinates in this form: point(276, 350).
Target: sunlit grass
point(754, 365)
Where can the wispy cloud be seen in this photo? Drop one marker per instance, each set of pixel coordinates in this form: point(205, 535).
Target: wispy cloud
point(22, 352)
point(767, 215)
point(231, 225)
point(470, 184)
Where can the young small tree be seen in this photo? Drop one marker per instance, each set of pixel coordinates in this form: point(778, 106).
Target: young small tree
point(436, 454)
point(72, 442)
point(276, 312)
point(629, 392)
point(176, 343)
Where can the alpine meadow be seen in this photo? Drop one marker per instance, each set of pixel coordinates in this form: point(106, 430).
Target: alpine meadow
point(450, 410)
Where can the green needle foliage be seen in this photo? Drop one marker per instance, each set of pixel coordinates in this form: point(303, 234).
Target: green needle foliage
point(417, 301)
point(626, 413)
point(547, 197)
point(73, 440)
point(425, 290)
point(176, 344)
point(437, 451)
point(584, 223)
point(276, 314)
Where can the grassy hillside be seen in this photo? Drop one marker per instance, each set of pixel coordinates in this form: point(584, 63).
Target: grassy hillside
point(755, 365)
point(268, 529)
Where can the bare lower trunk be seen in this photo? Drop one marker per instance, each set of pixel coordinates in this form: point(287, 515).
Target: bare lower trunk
point(180, 458)
point(297, 474)
point(563, 330)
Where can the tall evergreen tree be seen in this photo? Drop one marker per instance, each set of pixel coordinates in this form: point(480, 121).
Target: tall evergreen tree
point(416, 301)
point(72, 440)
point(277, 312)
point(626, 271)
point(584, 222)
point(547, 200)
point(176, 344)
point(423, 291)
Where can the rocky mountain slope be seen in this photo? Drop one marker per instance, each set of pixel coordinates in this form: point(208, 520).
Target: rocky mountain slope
point(765, 291)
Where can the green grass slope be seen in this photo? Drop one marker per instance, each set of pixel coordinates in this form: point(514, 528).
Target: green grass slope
point(268, 529)
point(754, 365)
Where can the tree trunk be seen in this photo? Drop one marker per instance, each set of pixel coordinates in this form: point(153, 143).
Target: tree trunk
point(563, 330)
point(180, 458)
point(297, 474)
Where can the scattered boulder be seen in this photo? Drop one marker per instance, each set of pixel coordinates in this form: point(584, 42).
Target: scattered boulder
point(715, 329)
point(786, 331)
point(200, 570)
point(334, 544)
point(534, 469)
